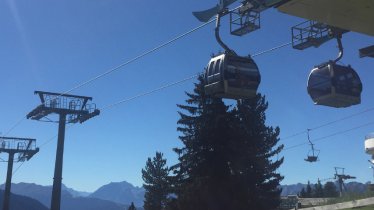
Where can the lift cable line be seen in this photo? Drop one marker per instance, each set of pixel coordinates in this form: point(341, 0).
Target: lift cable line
point(151, 92)
point(118, 67)
point(15, 171)
point(272, 49)
point(139, 57)
point(41, 146)
point(329, 123)
point(184, 80)
point(194, 76)
point(157, 89)
point(331, 135)
point(14, 126)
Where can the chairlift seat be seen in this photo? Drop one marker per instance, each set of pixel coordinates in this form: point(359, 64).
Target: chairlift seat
point(334, 85)
point(311, 159)
point(231, 76)
point(312, 155)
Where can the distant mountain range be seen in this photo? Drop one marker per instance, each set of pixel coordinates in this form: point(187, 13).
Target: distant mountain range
point(75, 193)
point(120, 192)
point(113, 196)
point(18, 202)
point(68, 201)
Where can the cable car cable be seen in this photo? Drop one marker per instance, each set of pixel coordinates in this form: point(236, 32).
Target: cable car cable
point(40, 146)
point(153, 91)
point(328, 123)
point(111, 70)
point(15, 171)
point(149, 92)
point(331, 135)
point(163, 87)
point(272, 49)
point(116, 68)
point(182, 80)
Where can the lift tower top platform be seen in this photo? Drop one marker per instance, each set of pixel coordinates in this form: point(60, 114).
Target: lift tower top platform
point(70, 109)
point(25, 148)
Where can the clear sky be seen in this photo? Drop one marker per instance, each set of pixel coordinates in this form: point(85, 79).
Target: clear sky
point(55, 45)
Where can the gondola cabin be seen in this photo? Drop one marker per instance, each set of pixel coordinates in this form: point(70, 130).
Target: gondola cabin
point(334, 85)
point(231, 76)
point(369, 145)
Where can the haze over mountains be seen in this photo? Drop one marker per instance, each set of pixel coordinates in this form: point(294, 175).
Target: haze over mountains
point(18, 202)
point(113, 196)
point(122, 194)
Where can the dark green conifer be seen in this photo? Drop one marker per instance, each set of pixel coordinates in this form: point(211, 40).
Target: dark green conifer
point(203, 170)
point(226, 158)
point(318, 190)
point(156, 183)
point(254, 147)
point(132, 206)
point(302, 193)
point(309, 191)
point(330, 190)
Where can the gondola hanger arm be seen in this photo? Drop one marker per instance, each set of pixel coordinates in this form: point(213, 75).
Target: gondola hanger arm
point(218, 38)
point(338, 34)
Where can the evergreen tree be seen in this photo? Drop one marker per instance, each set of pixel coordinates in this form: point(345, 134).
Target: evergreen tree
point(330, 190)
point(255, 144)
point(156, 183)
point(318, 190)
point(225, 162)
point(203, 170)
point(302, 193)
point(309, 192)
point(132, 206)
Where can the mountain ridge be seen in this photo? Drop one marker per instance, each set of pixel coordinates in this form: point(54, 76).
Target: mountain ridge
point(68, 201)
point(19, 202)
point(120, 192)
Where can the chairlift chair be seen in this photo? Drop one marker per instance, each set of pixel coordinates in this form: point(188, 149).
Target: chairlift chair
point(313, 153)
point(312, 156)
point(334, 85)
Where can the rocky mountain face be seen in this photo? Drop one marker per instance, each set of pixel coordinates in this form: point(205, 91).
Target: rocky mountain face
point(120, 192)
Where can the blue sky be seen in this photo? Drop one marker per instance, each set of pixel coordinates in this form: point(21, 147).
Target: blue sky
point(53, 46)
